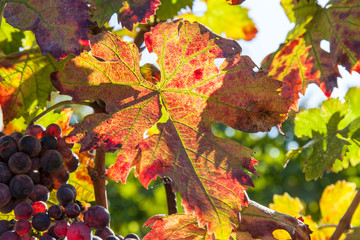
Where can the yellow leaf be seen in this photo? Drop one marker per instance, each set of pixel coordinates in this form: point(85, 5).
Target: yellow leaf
point(287, 204)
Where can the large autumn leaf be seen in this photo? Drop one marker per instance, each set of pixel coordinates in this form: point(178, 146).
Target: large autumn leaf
point(221, 17)
point(129, 12)
point(176, 114)
point(24, 82)
point(60, 26)
point(301, 60)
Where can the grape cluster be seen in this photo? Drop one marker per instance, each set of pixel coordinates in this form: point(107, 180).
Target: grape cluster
point(33, 164)
point(35, 221)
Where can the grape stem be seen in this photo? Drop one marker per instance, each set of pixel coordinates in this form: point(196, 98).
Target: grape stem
point(55, 106)
point(170, 196)
point(344, 223)
point(98, 177)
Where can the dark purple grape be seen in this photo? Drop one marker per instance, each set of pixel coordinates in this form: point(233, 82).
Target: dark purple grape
point(36, 131)
point(47, 237)
point(112, 237)
point(51, 160)
point(19, 163)
point(48, 142)
point(72, 210)
point(66, 153)
point(16, 135)
point(46, 180)
point(61, 228)
point(29, 145)
point(8, 147)
point(4, 226)
point(55, 211)
point(53, 130)
point(104, 232)
point(79, 231)
point(21, 186)
point(97, 217)
point(22, 227)
point(63, 143)
point(34, 175)
point(5, 174)
point(5, 195)
point(41, 193)
point(2, 134)
point(35, 163)
point(10, 235)
point(73, 163)
point(8, 207)
point(65, 195)
point(131, 236)
point(60, 177)
point(23, 210)
point(41, 221)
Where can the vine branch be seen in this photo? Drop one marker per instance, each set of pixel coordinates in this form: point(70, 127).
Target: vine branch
point(170, 196)
point(344, 223)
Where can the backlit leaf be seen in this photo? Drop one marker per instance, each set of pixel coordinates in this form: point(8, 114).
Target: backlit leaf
point(334, 129)
point(129, 12)
point(261, 222)
point(169, 9)
point(288, 205)
point(301, 60)
point(25, 85)
point(10, 38)
point(176, 114)
point(222, 17)
point(60, 27)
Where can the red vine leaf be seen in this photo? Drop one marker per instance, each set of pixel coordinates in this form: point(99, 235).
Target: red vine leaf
point(174, 227)
point(301, 60)
point(133, 12)
point(176, 114)
point(60, 27)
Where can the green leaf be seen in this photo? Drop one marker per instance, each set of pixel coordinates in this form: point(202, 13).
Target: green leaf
point(170, 8)
point(221, 17)
point(25, 85)
point(10, 38)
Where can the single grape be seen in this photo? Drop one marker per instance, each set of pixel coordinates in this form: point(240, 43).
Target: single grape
point(5, 174)
point(23, 210)
point(22, 227)
point(51, 160)
point(8, 207)
point(48, 142)
point(72, 210)
point(104, 232)
point(29, 145)
point(66, 153)
point(60, 177)
point(10, 235)
point(46, 180)
point(34, 175)
point(39, 207)
point(16, 136)
point(8, 147)
point(131, 236)
point(73, 163)
point(97, 217)
point(112, 237)
point(21, 186)
point(61, 228)
point(41, 221)
point(55, 211)
point(19, 163)
point(4, 226)
point(36, 131)
point(5, 195)
point(66, 193)
point(53, 130)
point(41, 193)
point(79, 231)
point(63, 143)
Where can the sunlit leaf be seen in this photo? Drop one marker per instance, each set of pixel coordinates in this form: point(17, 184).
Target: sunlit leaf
point(26, 82)
point(60, 27)
point(169, 9)
point(301, 60)
point(224, 18)
point(287, 205)
point(192, 94)
point(10, 38)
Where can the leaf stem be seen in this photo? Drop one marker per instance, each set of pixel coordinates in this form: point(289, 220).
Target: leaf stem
point(53, 107)
point(344, 223)
point(170, 196)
